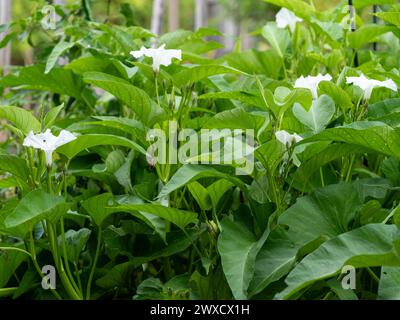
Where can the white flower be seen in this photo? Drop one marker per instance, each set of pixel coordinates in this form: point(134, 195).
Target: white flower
point(367, 85)
point(312, 83)
point(286, 18)
point(160, 56)
point(48, 142)
point(286, 138)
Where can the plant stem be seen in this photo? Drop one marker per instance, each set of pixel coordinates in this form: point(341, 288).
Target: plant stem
point(15, 249)
point(36, 265)
point(350, 168)
point(49, 187)
point(372, 274)
point(65, 254)
point(31, 166)
point(156, 84)
point(96, 257)
point(87, 10)
point(59, 265)
point(78, 277)
point(321, 173)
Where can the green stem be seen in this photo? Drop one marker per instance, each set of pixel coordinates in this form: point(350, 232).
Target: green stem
point(350, 169)
point(15, 249)
point(156, 84)
point(78, 277)
point(49, 187)
point(391, 214)
point(328, 295)
point(96, 257)
point(372, 274)
point(36, 265)
point(66, 262)
point(59, 265)
point(31, 166)
point(321, 173)
point(87, 10)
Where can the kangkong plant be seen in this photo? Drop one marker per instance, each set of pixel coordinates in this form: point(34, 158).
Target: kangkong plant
point(136, 166)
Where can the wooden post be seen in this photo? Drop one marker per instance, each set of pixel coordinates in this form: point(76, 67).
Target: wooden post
point(200, 14)
point(173, 15)
point(157, 17)
point(353, 27)
point(5, 16)
point(230, 27)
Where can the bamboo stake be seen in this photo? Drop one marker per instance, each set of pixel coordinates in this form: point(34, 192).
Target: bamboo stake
point(5, 17)
point(353, 28)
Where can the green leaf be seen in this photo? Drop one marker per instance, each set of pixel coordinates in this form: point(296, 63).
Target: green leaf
point(123, 174)
point(301, 178)
point(22, 119)
point(71, 149)
point(114, 161)
point(34, 207)
point(200, 194)
point(217, 189)
point(58, 50)
point(117, 277)
point(176, 241)
point(321, 215)
point(299, 7)
point(135, 98)
point(58, 80)
point(370, 245)
point(98, 207)
point(383, 108)
point(236, 247)
point(389, 283)
point(241, 96)
point(189, 173)
point(341, 97)
point(149, 289)
point(270, 154)
point(278, 38)
point(318, 116)
point(255, 62)
point(367, 34)
point(373, 135)
point(27, 283)
point(89, 64)
point(130, 126)
point(283, 98)
point(14, 165)
point(52, 115)
point(343, 294)
point(9, 262)
point(391, 17)
point(198, 73)
point(236, 118)
point(75, 242)
point(365, 3)
point(178, 217)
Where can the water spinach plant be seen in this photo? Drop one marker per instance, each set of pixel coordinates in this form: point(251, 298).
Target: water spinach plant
point(107, 193)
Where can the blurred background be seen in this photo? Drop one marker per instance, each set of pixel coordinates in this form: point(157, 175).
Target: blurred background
point(235, 19)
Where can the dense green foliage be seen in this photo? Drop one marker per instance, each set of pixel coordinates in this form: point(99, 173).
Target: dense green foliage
point(116, 227)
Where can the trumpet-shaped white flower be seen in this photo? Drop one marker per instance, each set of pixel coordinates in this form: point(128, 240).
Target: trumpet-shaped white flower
point(367, 85)
point(47, 142)
point(286, 138)
point(160, 56)
point(286, 18)
point(312, 83)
